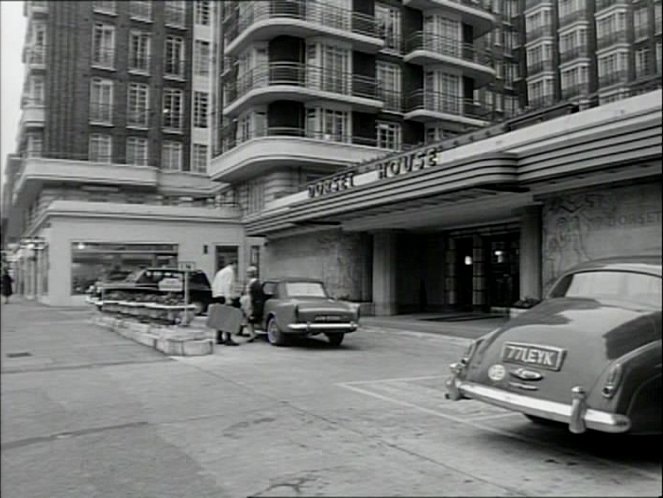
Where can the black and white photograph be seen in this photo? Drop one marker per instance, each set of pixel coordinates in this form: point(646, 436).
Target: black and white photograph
point(331, 248)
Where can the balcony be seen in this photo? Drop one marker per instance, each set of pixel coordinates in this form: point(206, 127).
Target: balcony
point(279, 147)
point(34, 56)
point(300, 82)
point(262, 21)
point(424, 106)
point(470, 11)
point(427, 48)
point(613, 78)
point(540, 67)
point(606, 4)
point(574, 53)
point(611, 39)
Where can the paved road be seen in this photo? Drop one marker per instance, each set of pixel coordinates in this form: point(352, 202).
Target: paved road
point(91, 414)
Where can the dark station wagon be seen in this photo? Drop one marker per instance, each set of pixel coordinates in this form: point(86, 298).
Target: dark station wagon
point(588, 355)
point(302, 307)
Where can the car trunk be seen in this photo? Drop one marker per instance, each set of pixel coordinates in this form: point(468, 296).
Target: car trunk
point(322, 310)
point(565, 343)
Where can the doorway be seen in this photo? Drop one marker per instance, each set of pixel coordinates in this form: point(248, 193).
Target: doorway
point(224, 255)
point(464, 273)
point(503, 269)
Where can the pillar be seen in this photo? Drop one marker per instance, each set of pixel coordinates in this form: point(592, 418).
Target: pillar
point(384, 273)
point(530, 252)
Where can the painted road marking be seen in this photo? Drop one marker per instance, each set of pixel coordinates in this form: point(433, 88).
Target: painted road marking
point(479, 425)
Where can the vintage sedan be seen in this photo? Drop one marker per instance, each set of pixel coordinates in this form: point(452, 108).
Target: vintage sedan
point(302, 307)
point(588, 355)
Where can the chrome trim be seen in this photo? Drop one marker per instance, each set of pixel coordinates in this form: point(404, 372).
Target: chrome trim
point(578, 409)
point(561, 412)
point(348, 327)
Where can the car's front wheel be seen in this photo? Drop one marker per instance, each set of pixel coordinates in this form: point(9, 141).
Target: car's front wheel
point(274, 335)
point(335, 339)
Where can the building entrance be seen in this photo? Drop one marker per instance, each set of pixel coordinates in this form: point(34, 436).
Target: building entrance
point(464, 273)
point(502, 269)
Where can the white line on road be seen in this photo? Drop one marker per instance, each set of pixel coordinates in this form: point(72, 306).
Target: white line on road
point(472, 423)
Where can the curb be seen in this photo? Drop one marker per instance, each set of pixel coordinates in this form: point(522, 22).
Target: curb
point(172, 341)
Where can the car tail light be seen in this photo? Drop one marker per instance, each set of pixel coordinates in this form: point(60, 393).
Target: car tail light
point(613, 380)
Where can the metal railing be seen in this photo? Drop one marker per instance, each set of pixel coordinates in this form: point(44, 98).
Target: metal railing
point(138, 117)
point(611, 39)
point(445, 103)
point(539, 66)
point(534, 33)
point(613, 77)
point(393, 100)
point(422, 40)
point(575, 90)
point(303, 75)
point(103, 58)
point(313, 12)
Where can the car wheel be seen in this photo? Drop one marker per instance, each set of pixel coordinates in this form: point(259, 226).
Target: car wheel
point(335, 339)
point(274, 335)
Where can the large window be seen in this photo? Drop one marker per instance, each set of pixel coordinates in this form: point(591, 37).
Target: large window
point(35, 145)
point(100, 148)
point(174, 57)
point(101, 101)
point(172, 109)
point(171, 156)
point(138, 103)
point(389, 75)
point(389, 26)
point(199, 158)
point(201, 58)
point(137, 151)
point(574, 80)
point(103, 45)
point(101, 261)
point(641, 22)
point(140, 9)
point(36, 89)
point(612, 67)
point(200, 105)
point(328, 68)
point(328, 124)
point(642, 62)
point(174, 12)
point(139, 51)
point(540, 92)
point(389, 135)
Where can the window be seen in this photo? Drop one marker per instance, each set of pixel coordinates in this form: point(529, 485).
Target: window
point(611, 28)
point(538, 23)
point(612, 67)
point(172, 108)
point(201, 58)
point(200, 103)
point(36, 89)
point(658, 56)
point(570, 7)
point(539, 57)
point(328, 124)
point(442, 35)
point(389, 135)
point(140, 9)
point(100, 148)
point(103, 45)
point(511, 106)
point(657, 17)
point(574, 80)
point(105, 6)
point(137, 151)
point(200, 158)
point(174, 63)
point(35, 145)
point(642, 62)
point(174, 12)
point(138, 104)
point(540, 92)
point(389, 26)
point(641, 22)
point(101, 101)
point(328, 68)
point(442, 92)
point(171, 156)
point(389, 75)
point(139, 51)
point(201, 12)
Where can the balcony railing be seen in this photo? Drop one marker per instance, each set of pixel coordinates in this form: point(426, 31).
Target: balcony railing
point(313, 12)
point(230, 139)
point(613, 77)
point(393, 100)
point(448, 104)
point(539, 67)
point(421, 40)
point(101, 113)
point(611, 39)
point(573, 53)
point(302, 75)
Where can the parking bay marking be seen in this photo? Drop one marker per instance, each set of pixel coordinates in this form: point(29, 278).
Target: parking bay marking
point(478, 425)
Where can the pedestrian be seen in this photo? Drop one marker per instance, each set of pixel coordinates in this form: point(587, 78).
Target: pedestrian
point(252, 301)
point(7, 282)
point(223, 290)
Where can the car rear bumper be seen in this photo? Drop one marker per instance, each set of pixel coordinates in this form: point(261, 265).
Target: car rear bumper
point(315, 328)
point(552, 410)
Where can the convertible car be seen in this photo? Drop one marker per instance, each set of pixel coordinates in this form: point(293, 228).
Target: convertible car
point(302, 307)
point(588, 355)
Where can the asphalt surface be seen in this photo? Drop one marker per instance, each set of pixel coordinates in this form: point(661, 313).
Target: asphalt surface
point(87, 413)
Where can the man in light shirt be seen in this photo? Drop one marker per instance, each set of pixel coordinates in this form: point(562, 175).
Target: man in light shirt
point(223, 292)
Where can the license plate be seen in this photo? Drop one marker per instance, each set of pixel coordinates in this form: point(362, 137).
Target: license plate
point(547, 357)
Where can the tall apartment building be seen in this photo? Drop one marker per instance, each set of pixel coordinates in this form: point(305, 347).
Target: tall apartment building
point(111, 162)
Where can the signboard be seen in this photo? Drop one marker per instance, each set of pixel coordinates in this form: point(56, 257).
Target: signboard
point(171, 284)
point(186, 265)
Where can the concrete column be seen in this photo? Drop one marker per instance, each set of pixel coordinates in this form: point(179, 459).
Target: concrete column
point(530, 252)
point(384, 273)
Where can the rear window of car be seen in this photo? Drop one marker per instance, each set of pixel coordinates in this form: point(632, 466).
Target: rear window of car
point(619, 285)
point(305, 289)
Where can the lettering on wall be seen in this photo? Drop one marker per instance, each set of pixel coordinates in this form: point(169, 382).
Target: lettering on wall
point(336, 183)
